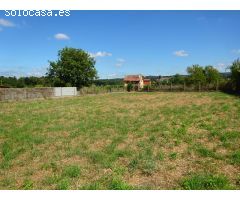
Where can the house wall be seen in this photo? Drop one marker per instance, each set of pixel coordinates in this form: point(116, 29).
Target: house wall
point(141, 83)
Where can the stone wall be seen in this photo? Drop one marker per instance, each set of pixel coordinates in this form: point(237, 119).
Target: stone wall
point(25, 93)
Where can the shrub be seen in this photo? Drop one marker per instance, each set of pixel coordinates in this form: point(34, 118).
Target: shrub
point(129, 87)
point(109, 88)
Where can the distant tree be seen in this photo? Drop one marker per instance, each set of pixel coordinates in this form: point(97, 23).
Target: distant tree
point(197, 74)
point(235, 74)
point(177, 79)
point(104, 82)
point(74, 67)
point(212, 75)
point(20, 82)
point(164, 82)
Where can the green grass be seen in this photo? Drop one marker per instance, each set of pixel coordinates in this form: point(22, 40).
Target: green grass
point(27, 185)
point(110, 182)
point(71, 171)
point(173, 156)
point(121, 141)
point(63, 184)
point(235, 157)
point(206, 182)
point(205, 152)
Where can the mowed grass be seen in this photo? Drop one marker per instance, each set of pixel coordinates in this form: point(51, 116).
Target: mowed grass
point(122, 141)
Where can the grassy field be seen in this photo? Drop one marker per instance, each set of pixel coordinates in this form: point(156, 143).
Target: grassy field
point(122, 141)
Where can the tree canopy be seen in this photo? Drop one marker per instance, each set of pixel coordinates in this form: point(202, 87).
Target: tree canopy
point(212, 74)
point(197, 74)
point(235, 77)
point(74, 67)
point(177, 79)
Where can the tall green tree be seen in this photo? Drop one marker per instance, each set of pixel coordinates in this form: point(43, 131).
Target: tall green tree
point(212, 75)
point(196, 74)
point(235, 74)
point(74, 67)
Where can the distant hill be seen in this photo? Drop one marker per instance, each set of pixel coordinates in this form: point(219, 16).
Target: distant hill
point(114, 81)
point(226, 74)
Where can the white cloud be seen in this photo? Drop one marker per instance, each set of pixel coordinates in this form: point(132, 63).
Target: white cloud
point(181, 53)
point(120, 62)
point(236, 51)
point(6, 23)
point(61, 36)
point(100, 54)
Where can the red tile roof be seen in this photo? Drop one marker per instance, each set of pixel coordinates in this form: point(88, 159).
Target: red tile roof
point(132, 78)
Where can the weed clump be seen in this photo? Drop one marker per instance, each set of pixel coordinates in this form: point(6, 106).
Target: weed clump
point(72, 171)
point(205, 182)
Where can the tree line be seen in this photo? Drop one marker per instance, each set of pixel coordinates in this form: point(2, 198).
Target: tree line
point(76, 67)
point(208, 76)
point(21, 82)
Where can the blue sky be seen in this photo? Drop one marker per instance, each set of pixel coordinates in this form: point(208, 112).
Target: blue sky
point(123, 42)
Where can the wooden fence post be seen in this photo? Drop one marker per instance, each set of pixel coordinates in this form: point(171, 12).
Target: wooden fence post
point(184, 86)
point(171, 86)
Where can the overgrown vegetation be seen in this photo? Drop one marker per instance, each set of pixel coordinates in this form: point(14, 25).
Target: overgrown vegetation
point(122, 141)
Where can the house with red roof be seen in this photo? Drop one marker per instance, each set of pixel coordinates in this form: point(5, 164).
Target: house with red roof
point(137, 81)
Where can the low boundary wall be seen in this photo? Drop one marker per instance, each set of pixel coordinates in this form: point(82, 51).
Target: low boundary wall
point(25, 93)
point(8, 94)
